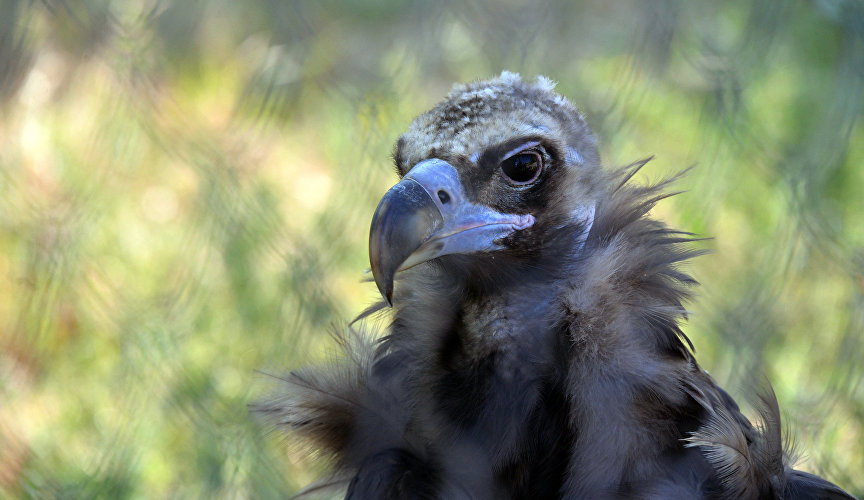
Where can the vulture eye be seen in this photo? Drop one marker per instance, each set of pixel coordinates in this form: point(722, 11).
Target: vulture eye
point(522, 168)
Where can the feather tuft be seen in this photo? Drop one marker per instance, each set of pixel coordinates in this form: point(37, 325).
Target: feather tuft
point(321, 404)
point(724, 445)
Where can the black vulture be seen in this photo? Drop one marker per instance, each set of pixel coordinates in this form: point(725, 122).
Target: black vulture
point(535, 350)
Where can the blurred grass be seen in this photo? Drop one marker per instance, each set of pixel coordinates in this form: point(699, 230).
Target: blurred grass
point(185, 190)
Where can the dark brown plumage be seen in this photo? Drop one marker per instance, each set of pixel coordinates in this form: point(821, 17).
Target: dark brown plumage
point(534, 350)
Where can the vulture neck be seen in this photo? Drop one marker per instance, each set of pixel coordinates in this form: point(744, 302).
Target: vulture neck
point(490, 302)
point(620, 292)
point(521, 316)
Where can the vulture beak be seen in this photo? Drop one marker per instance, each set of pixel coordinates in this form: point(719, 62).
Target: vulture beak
point(427, 215)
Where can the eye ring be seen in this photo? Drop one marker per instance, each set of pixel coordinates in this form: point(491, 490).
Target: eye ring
point(522, 168)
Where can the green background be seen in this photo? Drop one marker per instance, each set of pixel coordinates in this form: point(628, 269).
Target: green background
point(186, 189)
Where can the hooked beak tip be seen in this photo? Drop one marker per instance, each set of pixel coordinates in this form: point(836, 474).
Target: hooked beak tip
point(384, 282)
point(404, 219)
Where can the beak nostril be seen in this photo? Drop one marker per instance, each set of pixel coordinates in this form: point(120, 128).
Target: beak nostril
point(443, 196)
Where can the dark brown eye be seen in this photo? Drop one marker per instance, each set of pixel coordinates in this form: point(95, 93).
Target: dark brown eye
point(522, 168)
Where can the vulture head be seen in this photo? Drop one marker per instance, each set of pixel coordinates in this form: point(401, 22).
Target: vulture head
point(503, 175)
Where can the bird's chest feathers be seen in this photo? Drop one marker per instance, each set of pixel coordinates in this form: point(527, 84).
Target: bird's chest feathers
point(513, 326)
point(494, 366)
point(498, 385)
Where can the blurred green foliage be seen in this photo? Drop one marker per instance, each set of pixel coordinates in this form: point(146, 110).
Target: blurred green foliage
point(185, 190)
